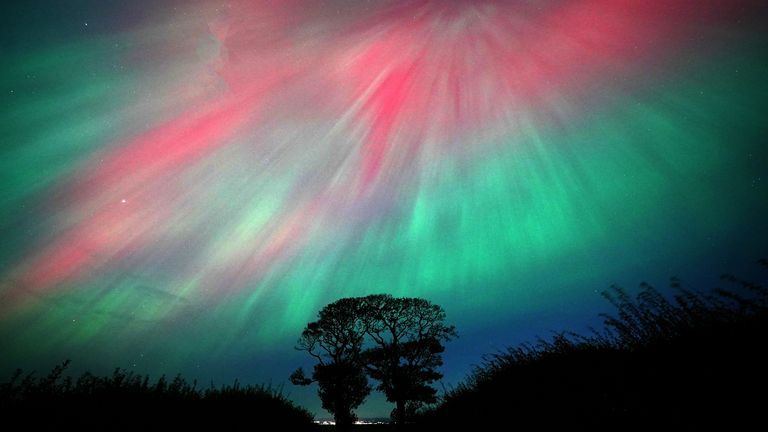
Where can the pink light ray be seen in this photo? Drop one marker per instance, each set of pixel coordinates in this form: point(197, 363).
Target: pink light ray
point(407, 59)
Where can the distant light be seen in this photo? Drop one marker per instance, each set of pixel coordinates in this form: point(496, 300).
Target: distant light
point(358, 422)
point(123, 201)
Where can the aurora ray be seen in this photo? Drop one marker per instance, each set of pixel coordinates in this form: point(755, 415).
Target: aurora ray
point(211, 174)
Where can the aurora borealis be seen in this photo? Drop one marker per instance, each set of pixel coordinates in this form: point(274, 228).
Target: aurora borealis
point(185, 184)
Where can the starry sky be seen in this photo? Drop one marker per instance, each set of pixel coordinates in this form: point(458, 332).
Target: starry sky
point(184, 184)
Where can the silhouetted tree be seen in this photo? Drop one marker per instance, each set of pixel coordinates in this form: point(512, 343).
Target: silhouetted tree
point(407, 334)
point(405, 338)
point(335, 341)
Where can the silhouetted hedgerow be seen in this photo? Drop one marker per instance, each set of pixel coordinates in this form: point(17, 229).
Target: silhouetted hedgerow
point(126, 400)
point(687, 360)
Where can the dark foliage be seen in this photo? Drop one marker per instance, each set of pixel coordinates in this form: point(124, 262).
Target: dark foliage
point(395, 341)
point(343, 386)
point(335, 341)
point(126, 401)
point(688, 361)
point(407, 336)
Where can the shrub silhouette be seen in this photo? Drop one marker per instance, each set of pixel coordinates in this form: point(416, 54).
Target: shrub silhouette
point(690, 360)
point(127, 401)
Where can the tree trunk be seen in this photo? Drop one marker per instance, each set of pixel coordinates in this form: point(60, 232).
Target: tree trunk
point(343, 422)
point(342, 416)
point(400, 413)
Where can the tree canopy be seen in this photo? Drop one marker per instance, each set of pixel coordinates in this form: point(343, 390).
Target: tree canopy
point(335, 341)
point(395, 341)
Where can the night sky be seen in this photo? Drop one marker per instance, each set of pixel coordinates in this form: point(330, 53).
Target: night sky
point(183, 185)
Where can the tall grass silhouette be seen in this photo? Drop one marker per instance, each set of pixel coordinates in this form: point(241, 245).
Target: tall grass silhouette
point(689, 359)
point(125, 400)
